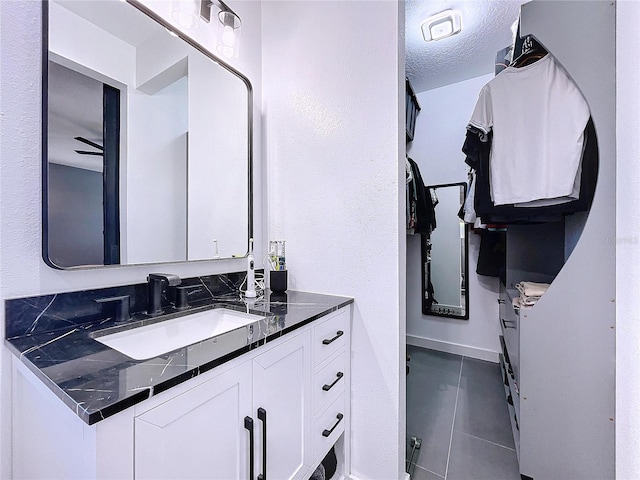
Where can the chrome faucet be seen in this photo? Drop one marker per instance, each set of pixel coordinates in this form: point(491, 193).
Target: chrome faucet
point(156, 283)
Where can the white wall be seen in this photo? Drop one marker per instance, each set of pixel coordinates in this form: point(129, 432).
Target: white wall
point(155, 211)
point(114, 62)
point(220, 142)
point(437, 149)
point(22, 271)
point(628, 241)
point(217, 130)
point(334, 128)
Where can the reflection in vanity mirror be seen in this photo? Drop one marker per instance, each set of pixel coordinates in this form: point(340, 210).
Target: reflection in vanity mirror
point(445, 256)
point(147, 141)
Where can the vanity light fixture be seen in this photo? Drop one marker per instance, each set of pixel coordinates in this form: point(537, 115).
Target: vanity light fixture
point(228, 27)
point(441, 25)
point(185, 13)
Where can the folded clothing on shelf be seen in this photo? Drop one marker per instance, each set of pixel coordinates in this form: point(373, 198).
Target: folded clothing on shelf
point(530, 292)
point(516, 303)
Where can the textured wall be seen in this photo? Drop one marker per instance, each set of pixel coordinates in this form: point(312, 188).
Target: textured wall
point(334, 129)
point(628, 242)
point(22, 271)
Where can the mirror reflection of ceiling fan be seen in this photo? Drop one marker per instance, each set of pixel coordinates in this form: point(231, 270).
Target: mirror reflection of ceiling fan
point(90, 143)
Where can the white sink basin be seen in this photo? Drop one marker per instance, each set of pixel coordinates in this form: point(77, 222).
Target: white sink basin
point(156, 339)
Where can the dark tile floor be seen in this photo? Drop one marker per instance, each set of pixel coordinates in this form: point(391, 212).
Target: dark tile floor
point(456, 405)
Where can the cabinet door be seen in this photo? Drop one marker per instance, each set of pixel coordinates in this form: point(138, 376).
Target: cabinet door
point(281, 389)
point(198, 434)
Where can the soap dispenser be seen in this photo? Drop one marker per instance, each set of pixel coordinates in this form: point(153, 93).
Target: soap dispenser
point(251, 273)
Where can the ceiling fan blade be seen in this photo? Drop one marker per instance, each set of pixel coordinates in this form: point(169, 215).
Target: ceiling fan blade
point(89, 142)
point(84, 152)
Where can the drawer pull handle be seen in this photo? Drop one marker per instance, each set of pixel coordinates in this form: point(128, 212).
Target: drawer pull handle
point(501, 301)
point(326, 387)
point(504, 323)
point(326, 433)
point(248, 424)
point(327, 341)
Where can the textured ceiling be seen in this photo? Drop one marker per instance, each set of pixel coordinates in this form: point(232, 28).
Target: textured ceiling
point(486, 28)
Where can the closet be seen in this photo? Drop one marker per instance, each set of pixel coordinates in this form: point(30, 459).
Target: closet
point(558, 357)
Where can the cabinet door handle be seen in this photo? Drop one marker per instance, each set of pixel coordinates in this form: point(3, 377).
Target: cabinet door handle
point(327, 341)
point(501, 301)
point(326, 433)
point(248, 424)
point(326, 387)
point(504, 323)
point(262, 415)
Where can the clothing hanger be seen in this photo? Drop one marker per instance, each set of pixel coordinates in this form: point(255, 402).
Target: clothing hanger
point(532, 51)
point(526, 50)
point(527, 59)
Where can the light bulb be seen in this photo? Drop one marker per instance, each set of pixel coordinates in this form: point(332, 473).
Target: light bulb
point(184, 13)
point(228, 36)
point(441, 30)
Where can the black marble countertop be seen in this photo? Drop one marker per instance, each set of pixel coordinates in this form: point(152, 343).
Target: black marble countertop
point(97, 381)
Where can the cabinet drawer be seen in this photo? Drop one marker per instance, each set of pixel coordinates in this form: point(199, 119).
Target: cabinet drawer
point(513, 402)
point(328, 383)
point(328, 427)
point(329, 336)
point(510, 326)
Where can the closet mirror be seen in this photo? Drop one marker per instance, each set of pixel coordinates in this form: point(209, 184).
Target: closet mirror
point(146, 141)
point(445, 256)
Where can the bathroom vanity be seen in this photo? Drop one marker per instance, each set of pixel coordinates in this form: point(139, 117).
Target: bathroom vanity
point(142, 381)
point(265, 400)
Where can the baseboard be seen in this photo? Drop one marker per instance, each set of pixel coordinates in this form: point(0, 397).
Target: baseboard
point(465, 350)
point(405, 477)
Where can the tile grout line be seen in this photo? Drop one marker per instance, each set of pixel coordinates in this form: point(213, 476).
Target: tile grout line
point(485, 440)
point(455, 408)
point(427, 470)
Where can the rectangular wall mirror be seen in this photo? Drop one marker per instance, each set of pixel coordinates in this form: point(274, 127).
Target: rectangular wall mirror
point(147, 141)
point(445, 256)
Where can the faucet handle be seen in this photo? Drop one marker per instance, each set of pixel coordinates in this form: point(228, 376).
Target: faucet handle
point(171, 279)
point(182, 297)
point(122, 306)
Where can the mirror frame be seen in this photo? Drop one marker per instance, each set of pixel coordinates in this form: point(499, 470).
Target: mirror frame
point(45, 126)
point(426, 271)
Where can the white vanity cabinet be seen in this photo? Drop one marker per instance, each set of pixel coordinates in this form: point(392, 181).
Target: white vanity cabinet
point(203, 427)
point(330, 382)
point(281, 401)
point(199, 433)
point(293, 395)
point(205, 432)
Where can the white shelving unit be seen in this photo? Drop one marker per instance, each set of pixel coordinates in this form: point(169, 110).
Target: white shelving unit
point(559, 356)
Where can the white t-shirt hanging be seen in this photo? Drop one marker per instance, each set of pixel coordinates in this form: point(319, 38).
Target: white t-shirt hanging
point(538, 117)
